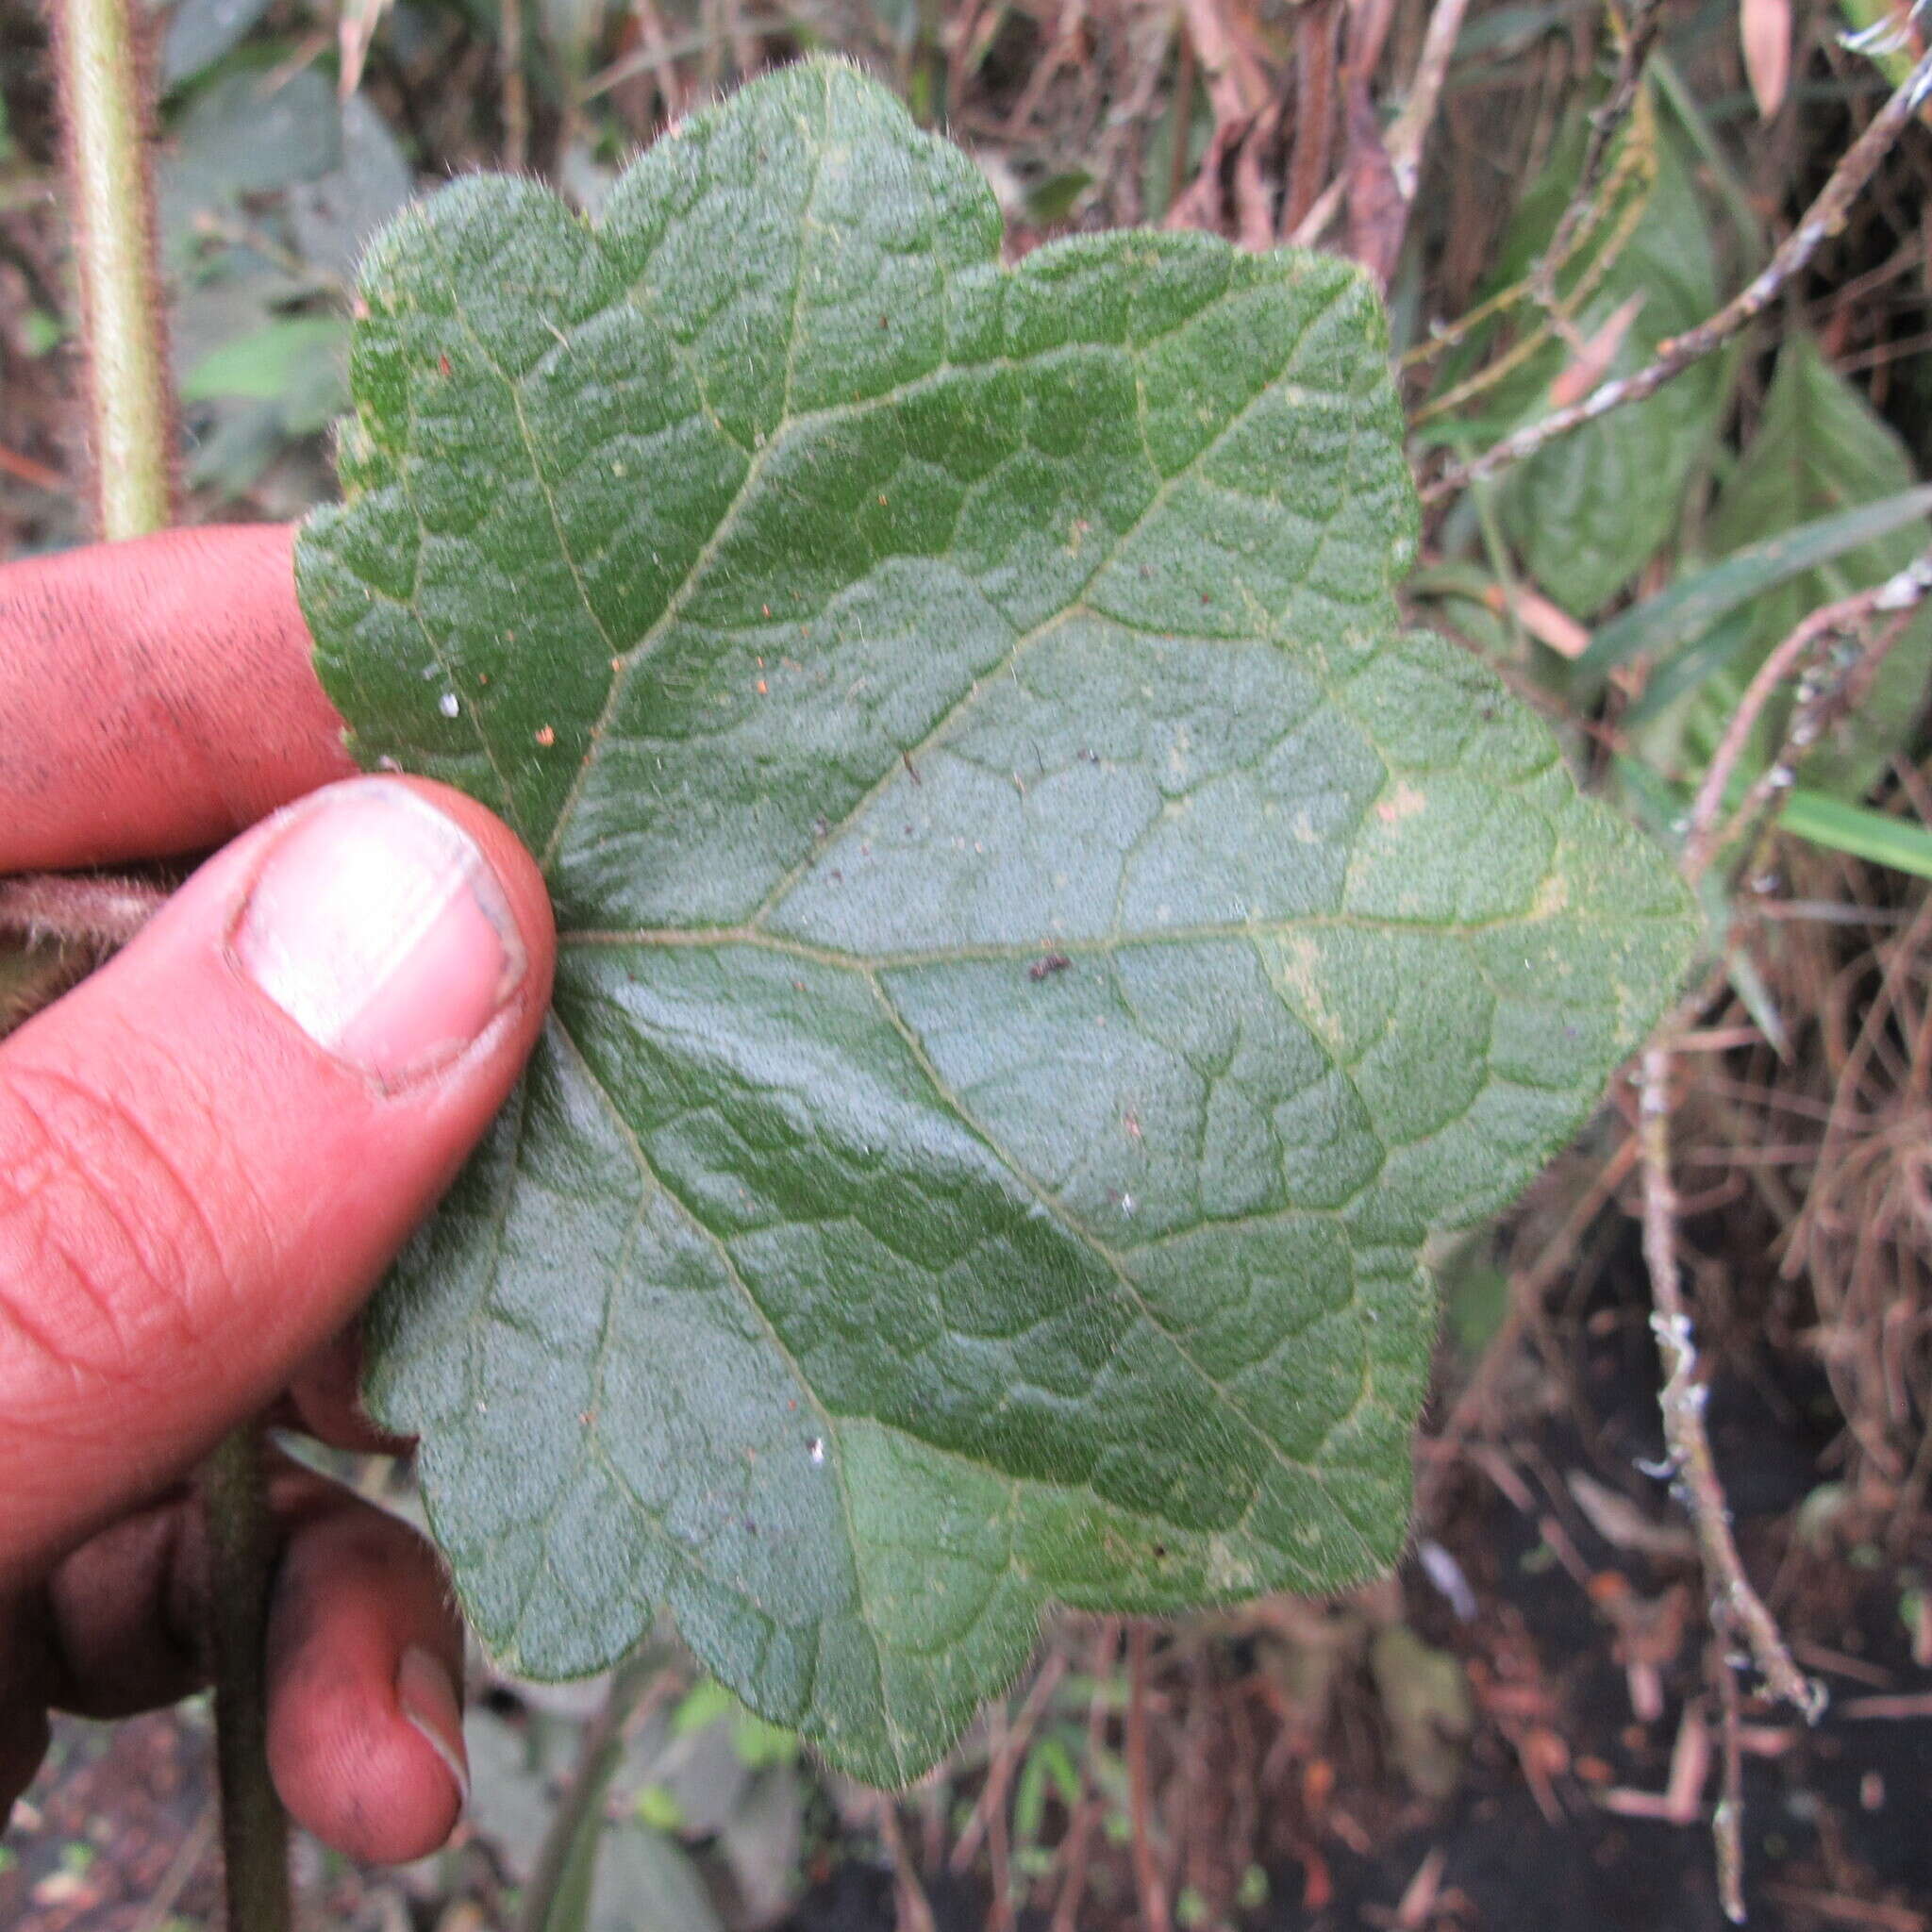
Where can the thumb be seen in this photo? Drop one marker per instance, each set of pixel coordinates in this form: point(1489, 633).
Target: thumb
point(210, 1150)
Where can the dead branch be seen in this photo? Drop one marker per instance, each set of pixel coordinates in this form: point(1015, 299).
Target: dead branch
point(1736, 1606)
point(1605, 125)
point(1855, 169)
point(1409, 131)
point(1737, 1611)
point(1896, 597)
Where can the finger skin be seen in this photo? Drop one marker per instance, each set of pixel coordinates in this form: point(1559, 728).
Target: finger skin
point(194, 1197)
point(324, 1399)
point(355, 1589)
point(155, 696)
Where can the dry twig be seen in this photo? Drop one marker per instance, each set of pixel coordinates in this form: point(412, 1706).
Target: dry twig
point(1409, 131)
point(1855, 167)
point(1736, 1606)
point(1605, 125)
point(1738, 1612)
point(1895, 598)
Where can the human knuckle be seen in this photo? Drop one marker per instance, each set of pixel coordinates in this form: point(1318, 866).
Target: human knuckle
point(104, 1235)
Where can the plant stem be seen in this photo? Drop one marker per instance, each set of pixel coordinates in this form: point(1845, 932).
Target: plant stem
point(86, 908)
point(1737, 1608)
point(254, 1830)
point(639, 1682)
point(1605, 125)
point(104, 110)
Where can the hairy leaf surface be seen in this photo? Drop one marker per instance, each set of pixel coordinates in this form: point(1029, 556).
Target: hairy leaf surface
point(1041, 949)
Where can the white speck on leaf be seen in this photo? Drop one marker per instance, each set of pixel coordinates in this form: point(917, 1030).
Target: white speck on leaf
point(449, 703)
point(817, 1449)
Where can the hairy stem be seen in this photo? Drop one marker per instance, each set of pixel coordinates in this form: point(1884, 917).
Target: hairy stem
point(83, 909)
point(105, 111)
point(254, 1830)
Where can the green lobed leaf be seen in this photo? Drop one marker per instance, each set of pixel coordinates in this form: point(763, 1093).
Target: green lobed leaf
point(1041, 949)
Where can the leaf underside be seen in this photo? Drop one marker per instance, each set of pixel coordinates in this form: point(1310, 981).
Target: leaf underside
point(1041, 949)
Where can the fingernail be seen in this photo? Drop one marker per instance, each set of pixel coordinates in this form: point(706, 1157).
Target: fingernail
point(429, 1699)
point(376, 925)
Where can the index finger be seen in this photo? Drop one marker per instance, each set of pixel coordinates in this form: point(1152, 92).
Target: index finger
point(155, 696)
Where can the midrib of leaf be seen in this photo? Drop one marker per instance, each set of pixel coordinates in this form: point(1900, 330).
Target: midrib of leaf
point(1074, 604)
point(628, 656)
point(1108, 944)
point(830, 1423)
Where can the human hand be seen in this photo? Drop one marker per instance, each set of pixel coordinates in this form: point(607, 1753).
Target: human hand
point(210, 1149)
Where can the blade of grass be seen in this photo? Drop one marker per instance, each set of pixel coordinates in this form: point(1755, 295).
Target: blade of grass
point(1860, 831)
point(1690, 606)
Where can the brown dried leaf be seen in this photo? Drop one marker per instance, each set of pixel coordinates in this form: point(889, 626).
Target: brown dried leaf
point(1594, 359)
point(1377, 215)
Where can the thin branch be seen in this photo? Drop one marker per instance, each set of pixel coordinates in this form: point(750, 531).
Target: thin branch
point(636, 1686)
point(1823, 217)
point(1737, 1609)
point(1148, 1885)
point(1727, 1821)
point(106, 111)
point(1896, 597)
point(1409, 132)
point(255, 1828)
point(1605, 125)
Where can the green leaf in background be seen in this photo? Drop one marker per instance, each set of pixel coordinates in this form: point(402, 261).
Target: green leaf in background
point(1587, 511)
point(298, 361)
point(199, 32)
point(1689, 609)
point(237, 138)
point(1865, 834)
point(1041, 950)
point(1821, 450)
